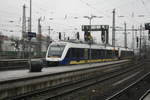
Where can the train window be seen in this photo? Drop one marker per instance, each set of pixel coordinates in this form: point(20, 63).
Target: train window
point(92, 53)
point(108, 54)
point(77, 50)
point(56, 50)
point(82, 53)
point(69, 54)
point(79, 53)
point(116, 53)
point(76, 53)
point(102, 53)
point(99, 53)
point(73, 53)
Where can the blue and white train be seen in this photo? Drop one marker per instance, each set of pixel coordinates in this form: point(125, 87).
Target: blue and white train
point(65, 53)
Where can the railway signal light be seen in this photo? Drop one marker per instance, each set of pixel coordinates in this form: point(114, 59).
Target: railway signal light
point(86, 35)
point(137, 40)
point(147, 26)
point(78, 35)
point(59, 35)
point(31, 34)
point(149, 35)
point(103, 35)
point(107, 36)
point(103, 28)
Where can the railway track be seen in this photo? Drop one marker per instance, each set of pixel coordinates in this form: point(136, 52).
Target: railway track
point(134, 91)
point(60, 91)
point(138, 90)
point(92, 82)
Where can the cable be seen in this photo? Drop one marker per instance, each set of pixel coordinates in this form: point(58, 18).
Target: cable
point(89, 5)
point(145, 6)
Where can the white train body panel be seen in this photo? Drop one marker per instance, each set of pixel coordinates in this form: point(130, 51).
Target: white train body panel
point(64, 47)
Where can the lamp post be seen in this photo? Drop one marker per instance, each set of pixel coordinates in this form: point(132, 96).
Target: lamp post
point(49, 28)
point(90, 19)
point(90, 23)
point(30, 30)
point(30, 15)
point(49, 31)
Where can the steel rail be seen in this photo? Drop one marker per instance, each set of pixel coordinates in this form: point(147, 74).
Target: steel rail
point(92, 83)
point(131, 85)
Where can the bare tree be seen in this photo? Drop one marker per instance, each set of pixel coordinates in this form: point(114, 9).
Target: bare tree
point(1, 41)
point(16, 43)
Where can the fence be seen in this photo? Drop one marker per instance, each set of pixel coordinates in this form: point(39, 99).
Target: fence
point(20, 54)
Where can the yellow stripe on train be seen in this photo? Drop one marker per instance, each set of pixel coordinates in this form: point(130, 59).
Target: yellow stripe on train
point(91, 61)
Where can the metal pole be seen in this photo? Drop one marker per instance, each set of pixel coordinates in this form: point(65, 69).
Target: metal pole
point(24, 34)
point(125, 35)
point(30, 15)
point(24, 22)
point(140, 38)
point(113, 30)
point(144, 40)
point(133, 37)
point(90, 18)
point(113, 33)
point(49, 31)
point(40, 38)
point(30, 29)
point(136, 40)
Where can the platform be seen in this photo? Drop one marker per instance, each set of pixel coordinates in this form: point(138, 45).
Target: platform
point(147, 97)
point(17, 74)
point(18, 82)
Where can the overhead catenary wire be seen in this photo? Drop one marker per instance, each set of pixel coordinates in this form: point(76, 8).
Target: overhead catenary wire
point(44, 3)
point(145, 6)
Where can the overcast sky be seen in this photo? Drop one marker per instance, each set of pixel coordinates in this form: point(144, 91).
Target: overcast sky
point(64, 11)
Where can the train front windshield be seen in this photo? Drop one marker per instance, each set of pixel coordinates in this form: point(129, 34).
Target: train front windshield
point(56, 51)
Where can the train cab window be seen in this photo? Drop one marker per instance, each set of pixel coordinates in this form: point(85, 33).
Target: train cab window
point(56, 50)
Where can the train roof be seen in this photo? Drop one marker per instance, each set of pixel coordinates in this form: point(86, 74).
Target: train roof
point(86, 45)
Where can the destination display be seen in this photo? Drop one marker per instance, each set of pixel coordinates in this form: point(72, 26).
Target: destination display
point(147, 26)
point(31, 34)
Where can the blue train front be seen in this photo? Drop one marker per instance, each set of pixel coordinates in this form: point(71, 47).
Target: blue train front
point(65, 53)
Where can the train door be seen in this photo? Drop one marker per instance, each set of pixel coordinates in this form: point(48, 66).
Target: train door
point(85, 53)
